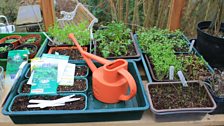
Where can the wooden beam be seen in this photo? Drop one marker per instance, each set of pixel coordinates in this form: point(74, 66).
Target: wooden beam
point(175, 14)
point(47, 7)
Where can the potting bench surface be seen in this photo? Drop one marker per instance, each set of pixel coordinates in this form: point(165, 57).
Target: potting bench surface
point(146, 120)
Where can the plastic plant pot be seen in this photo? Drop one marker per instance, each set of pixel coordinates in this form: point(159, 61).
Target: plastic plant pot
point(205, 42)
point(32, 47)
point(4, 53)
point(31, 39)
point(179, 113)
point(13, 39)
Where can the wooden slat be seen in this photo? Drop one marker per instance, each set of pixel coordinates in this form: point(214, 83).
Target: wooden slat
point(48, 12)
point(175, 14)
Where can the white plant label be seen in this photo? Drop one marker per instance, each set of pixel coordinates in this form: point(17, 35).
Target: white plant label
point(191, 46)
point(182, 79)
point(171, 73)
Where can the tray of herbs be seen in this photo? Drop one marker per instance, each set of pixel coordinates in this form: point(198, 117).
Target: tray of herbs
point(115, 41)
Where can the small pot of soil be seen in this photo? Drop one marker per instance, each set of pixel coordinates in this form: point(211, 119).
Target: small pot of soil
point(4, 49)
point(79, 85)
point(31, 47)
point(210, 46)
point(81, 71)
point(20, 103)
point(72, 52)
point(170, 101)
point(215, 84)
point(31, 39)
point(13, 39)
point(112, 50)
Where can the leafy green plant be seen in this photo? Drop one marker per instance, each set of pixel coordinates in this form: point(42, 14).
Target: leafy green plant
point(10, 40)
point(29, 49)
point(4, 49)
point(156, 35)
point(31, 40)
point(162, 60)
point(80, 31)
point(113, 40)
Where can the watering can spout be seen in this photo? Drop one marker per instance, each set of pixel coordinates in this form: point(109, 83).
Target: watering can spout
point(87, 56)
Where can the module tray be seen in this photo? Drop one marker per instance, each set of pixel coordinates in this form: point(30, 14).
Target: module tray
point(95, 111)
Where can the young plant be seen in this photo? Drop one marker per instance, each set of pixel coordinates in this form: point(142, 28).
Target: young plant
point(114, 40)
point(156, 35)
point(10, 40)
point(4, 49)
point(80, 31)
point(217, 83)
point(30, 40)
point(194, 67)
point(162, 60)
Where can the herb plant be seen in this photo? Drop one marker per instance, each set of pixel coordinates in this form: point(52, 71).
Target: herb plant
point(80, 31)
point(163, 57)
point(31, 40)
point(113, 40)
point(156, 35)
point(10, 40)
point(4, 49)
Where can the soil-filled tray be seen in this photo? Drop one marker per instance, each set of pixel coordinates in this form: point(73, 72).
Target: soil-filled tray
point(20, 103)
point(171, 99)
point(72, 52)
point(80, 71)
point(133, 52)
point(80, 85)
point(43, 47)
point(200, 71)
point(96, 111)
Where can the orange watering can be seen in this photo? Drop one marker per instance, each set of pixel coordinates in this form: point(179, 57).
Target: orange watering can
point(110, 81)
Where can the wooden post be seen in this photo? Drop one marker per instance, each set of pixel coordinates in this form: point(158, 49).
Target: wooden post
point(175, 14)
point(47, 7)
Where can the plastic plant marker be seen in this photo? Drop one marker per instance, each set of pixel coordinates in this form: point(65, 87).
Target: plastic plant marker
point(191, 46)
point(110, 81)
point(182, 79)
point(46, 103)
point(171, 73)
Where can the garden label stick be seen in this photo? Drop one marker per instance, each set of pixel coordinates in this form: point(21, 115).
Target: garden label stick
point(171, 73)
point(191, 46)
point(182, 79)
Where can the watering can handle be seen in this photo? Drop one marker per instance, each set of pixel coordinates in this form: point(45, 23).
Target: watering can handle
point(131, 83)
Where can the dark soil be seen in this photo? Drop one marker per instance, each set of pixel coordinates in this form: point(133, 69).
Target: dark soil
point(173, 96)
point(212, 33)
point(78, 85)
point(81, 70)
point(185, 48)
point(73, 54)
point(130, 52)
point(21, 102)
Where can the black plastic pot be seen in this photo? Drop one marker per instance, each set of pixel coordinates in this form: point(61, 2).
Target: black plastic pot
point(32, 46)
point(5, 54)
point(211, 47)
